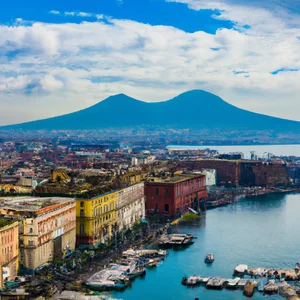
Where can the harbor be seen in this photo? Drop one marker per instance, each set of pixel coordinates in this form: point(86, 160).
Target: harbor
point(235, 234)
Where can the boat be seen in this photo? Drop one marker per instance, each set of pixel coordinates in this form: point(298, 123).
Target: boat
point(215, 283)
point(209, 258)
point(108, 279)
point(262, 284)
point(248, 289)
point(270, 287)
point(144, 253)
point(232, 284)
point(132, 270)
point(194, 280)
point(176, 240)
point(240, 270)
point(138, 271)
point(241, 283)
point(152, 263)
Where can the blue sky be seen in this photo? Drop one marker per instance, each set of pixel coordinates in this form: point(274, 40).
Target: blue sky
point(61, 56)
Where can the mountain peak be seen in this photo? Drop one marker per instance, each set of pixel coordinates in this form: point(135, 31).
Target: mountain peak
point(196, 109)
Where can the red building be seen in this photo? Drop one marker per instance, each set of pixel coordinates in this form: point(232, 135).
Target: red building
point(173, 196)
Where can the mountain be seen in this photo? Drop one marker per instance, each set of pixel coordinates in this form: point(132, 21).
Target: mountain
point(195, 109)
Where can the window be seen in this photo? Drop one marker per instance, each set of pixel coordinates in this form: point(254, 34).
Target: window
point(167, 208)
point(81, 213)
point(157, 191)
point(30, 243)
point(81, 229)
point(30, 230)
point(81, 204)
point(167, 192)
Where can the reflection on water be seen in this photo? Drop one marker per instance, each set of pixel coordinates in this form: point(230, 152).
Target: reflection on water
point(259, 231)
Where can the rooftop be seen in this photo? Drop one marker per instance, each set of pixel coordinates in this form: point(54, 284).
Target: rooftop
point(176, 179)
point(6, 222)
point(31, 203)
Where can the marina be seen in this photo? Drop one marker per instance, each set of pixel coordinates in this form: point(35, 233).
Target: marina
point(225, 232)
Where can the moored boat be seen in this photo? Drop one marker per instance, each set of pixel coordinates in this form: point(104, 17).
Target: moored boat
point(262, 284)
point(194, 280)
point(232, 284)
point(270, 287)
point(240, 270)
point(248, 289)
point(108, 279)
point(175, 240)
point(209, 258)
point(215, 283)
point(241, 283)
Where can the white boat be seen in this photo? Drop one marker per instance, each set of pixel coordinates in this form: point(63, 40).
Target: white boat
point(108, 279)
point(233, 283)
point(242, 283)
point(240, 270)
point(215, 283)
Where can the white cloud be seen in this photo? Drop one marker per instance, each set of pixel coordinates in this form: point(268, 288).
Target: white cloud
point(50, 83)
point(54, 12)
point(77, 65)
point(81, 14)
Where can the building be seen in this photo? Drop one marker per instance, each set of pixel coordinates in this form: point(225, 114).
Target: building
point(233, 173)
point(228, 171)
point(173, 196)
point(130, 205)
point(47, 227)
point(96, 219)
point(9, 250)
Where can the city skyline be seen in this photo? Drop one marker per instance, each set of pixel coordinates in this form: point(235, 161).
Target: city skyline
point(61, 57)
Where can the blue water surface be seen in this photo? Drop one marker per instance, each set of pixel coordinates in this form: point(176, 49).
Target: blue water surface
point(259, 231)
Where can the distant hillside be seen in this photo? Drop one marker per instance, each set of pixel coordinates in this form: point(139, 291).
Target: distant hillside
point(195, 109)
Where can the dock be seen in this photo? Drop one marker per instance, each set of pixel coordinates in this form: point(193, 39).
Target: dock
point(284, 282)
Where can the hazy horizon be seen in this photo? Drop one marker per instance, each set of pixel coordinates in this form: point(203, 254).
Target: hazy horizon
point(61, 57)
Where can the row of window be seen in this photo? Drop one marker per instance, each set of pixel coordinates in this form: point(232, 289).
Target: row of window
point(6, 250)
point(6, 237)
point(166, 192)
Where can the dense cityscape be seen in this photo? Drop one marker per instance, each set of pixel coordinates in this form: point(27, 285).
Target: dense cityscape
point(149, 150)
point(65, 203)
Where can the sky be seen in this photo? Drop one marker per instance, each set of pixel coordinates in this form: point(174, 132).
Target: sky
point(61, 56)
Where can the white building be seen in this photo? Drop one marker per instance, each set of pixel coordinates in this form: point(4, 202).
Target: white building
point(130, 205)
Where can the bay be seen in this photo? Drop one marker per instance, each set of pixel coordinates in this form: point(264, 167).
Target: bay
point(259, 231)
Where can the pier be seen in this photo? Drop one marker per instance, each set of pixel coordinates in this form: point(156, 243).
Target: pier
point(265, 280)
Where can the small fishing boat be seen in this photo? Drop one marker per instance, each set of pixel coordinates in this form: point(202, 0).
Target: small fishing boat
point(194, 280)
point(209, 258)
point(138, 271)
point(232, 284)
point(152, 263)
point(262, 284)
point(240, 270)
point(107, 280)
point(241, 283)
point(215, 283)
point(248, 289)
point(131, 270)
point(271, 287)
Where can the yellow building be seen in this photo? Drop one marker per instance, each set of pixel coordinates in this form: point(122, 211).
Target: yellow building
point(96, 219)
